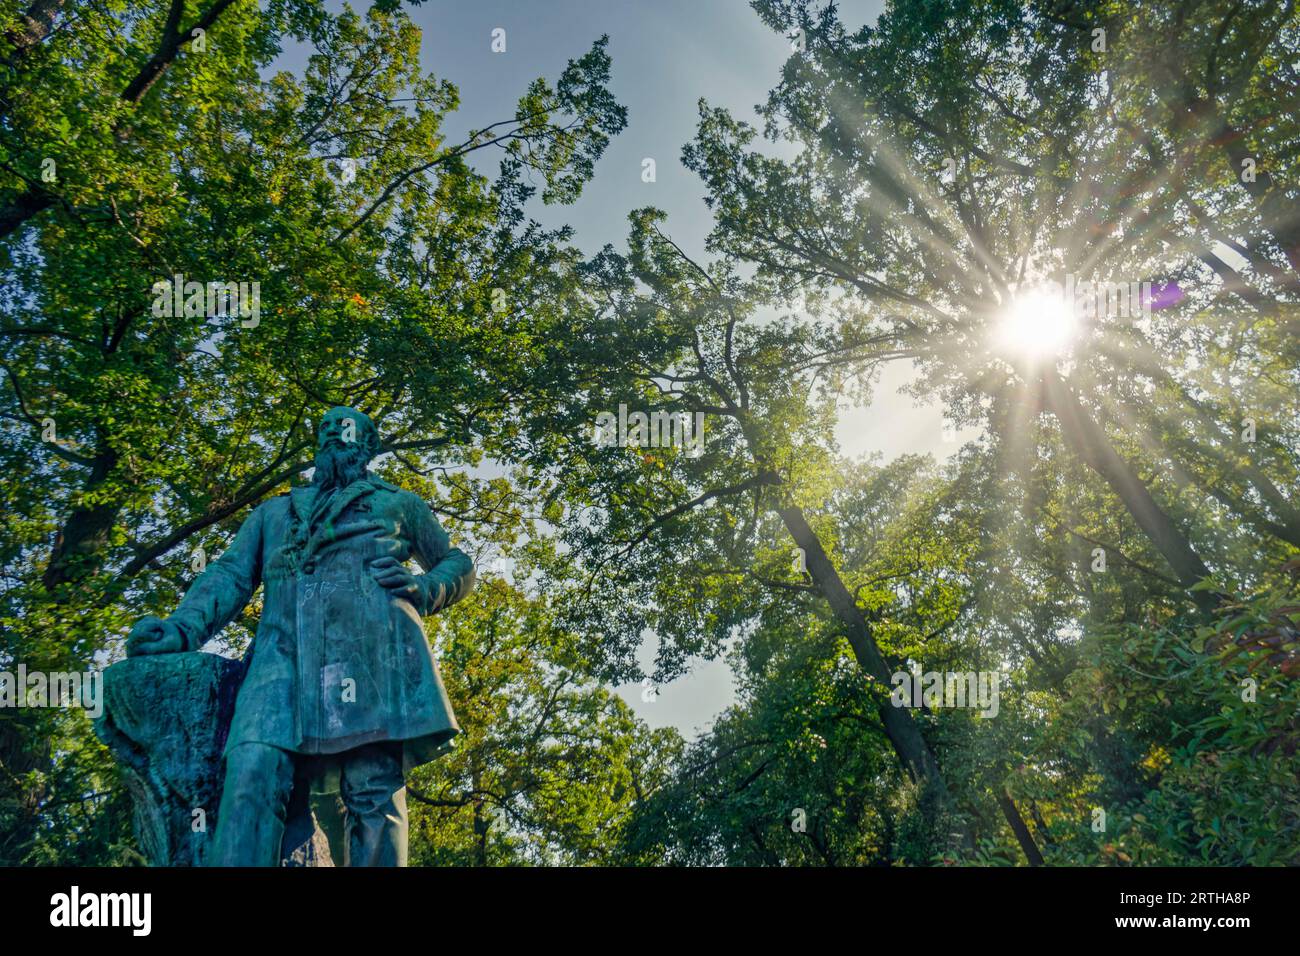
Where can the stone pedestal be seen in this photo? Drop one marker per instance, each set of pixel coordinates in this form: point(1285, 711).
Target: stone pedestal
point(166, 718)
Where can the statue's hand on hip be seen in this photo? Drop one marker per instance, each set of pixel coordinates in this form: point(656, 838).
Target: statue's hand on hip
point(152, 635)
point(394, 576)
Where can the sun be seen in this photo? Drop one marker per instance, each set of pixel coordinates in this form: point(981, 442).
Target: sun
point(1038, 324)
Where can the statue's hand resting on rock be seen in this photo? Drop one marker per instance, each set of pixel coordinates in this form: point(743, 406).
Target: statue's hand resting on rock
point(153, 635)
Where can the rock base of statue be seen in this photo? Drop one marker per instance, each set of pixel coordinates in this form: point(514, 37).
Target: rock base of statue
point(166, 718)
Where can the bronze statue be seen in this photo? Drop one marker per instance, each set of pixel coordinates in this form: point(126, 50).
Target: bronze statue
point(340, 679)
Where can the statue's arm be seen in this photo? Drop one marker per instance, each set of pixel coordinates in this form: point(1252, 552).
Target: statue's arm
point(218, 594)
point(449, 573)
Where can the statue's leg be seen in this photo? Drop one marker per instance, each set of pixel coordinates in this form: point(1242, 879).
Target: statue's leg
point(254, 805)
point(374, 793)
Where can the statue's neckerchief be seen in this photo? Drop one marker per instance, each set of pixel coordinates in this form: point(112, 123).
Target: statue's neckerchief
point(316, 521)
point(301, 532)
point(324, 495)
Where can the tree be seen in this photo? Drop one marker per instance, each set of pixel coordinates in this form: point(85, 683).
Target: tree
point(137, 434)
point(996, 149)
point(716, 519)
point(549, 765)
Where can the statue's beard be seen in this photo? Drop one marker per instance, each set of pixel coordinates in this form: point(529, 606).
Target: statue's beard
point(338, 465)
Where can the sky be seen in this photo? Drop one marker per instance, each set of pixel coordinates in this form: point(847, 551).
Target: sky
point(667, 55)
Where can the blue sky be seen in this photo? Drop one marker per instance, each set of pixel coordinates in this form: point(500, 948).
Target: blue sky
point(667, 55)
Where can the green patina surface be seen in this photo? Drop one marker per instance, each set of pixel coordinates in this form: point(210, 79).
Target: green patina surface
point(340, 660)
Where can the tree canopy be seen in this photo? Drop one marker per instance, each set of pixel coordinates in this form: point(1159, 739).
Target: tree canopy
point(1115, 553)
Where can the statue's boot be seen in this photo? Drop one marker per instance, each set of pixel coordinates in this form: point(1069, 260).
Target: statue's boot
point(254, 806)
point(374, 794)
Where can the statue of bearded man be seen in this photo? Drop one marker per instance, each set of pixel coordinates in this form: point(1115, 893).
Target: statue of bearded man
point(340, 679)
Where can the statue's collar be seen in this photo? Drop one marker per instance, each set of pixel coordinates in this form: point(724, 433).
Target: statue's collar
point(301, 499)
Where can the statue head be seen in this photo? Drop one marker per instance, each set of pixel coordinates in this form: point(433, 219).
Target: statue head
point(346, 440)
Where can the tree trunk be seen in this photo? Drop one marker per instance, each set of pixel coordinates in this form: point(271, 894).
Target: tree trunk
point(1088, 440)
point(1287, 525)
point(1279, 214)
point(22, 207)
point(903, 733)
point(481, 822)
point(33, 27)
point(78, 548)
point(1023, 836)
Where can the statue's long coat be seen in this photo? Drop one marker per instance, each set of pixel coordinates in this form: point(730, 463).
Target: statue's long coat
point(338, 660)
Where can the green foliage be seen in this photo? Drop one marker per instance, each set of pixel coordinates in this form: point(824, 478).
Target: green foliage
point(1216, 735)
point(904, 181)
point(549, 765)
point(378, 289)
